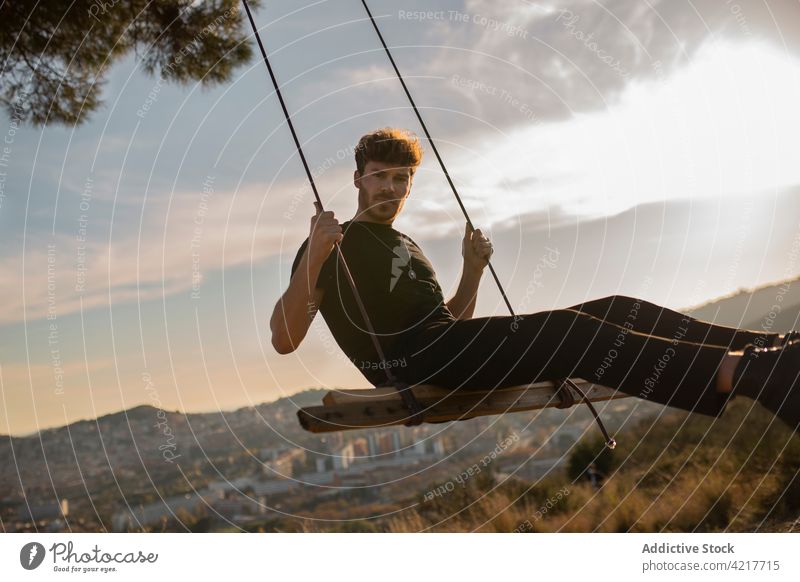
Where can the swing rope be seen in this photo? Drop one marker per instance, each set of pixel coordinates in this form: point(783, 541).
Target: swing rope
point(409, 400)
point(562, 385)
point(414, 407)
point(433, 147)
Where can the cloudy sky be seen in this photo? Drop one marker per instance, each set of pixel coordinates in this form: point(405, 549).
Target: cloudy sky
point(650, 146)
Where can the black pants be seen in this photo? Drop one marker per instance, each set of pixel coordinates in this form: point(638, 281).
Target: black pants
point(632, 345)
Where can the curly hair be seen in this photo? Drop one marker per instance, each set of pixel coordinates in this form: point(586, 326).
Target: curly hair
point(391, 146)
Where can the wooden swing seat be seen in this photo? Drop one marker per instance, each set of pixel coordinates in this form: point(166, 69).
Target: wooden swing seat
point(378, 407)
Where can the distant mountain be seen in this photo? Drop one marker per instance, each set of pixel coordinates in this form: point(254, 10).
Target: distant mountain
point(144, 415)
point(772, 308)
point(113, 446)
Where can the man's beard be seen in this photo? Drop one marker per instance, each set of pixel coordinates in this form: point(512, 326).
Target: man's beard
point(382, 207)
point(386, 208)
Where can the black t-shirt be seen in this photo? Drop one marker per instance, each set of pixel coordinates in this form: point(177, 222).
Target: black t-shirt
point(397, 285)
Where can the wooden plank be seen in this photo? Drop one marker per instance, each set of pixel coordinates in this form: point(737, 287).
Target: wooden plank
point(457, 406)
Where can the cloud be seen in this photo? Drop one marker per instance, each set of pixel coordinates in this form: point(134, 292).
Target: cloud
point(558, 60)
point(183, 237)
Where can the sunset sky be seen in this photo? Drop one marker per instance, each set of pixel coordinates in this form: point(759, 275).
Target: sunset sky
point(651, 146)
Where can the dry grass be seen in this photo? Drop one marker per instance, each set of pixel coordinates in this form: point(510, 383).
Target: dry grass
point(684, 473)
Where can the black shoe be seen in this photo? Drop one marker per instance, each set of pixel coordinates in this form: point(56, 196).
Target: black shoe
point(784, 339)
point(772, 377)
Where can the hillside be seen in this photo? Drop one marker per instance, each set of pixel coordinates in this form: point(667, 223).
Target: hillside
point(683, 473)
point(772, 308)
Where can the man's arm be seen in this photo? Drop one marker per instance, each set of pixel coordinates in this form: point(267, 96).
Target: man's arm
point(476, 250)
point(295, 310)
point(462, 304)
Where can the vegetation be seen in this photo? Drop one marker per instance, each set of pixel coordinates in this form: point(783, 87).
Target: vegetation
point(56, 55)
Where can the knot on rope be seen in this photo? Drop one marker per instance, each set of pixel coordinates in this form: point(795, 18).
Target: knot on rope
point(415, 410)
point(567, 399)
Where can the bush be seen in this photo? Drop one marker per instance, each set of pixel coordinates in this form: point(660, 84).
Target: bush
point(587, 452)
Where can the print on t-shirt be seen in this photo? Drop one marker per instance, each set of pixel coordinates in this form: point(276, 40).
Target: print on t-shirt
point(401, 259)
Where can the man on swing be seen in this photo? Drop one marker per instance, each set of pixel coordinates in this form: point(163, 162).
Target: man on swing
point(426, 340)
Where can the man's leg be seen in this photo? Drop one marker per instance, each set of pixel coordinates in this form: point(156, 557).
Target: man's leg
point(490, 352)
point(646, 317)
